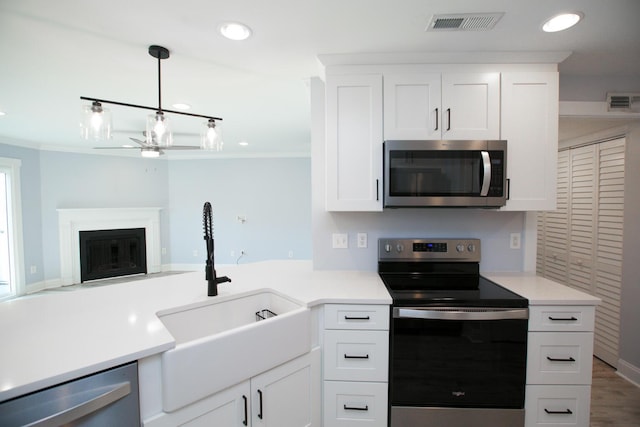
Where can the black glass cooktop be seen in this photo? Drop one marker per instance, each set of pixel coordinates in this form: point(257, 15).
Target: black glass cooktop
point(418, 290)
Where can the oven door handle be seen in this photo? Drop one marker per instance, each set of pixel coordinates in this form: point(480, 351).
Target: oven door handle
point(460, 313)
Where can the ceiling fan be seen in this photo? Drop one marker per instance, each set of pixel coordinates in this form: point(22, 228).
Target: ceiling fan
point(150, 149)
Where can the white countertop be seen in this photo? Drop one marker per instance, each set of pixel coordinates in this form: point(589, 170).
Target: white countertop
point(54, 337)
point(541, 291)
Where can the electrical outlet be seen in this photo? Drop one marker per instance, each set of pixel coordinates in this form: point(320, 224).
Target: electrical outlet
point(195, 252)
point(362, 240)
point(514, 240)
point(164, 251)
point(290, 254)
point(340, 241)
point(33, 269)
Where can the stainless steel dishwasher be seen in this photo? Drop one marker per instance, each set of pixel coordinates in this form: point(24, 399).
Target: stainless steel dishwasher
point(108, 398)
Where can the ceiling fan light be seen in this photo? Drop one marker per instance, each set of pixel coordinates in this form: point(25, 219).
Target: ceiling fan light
point(211, 136)
point(150, 152)
point(96, 122)
point(158, 130)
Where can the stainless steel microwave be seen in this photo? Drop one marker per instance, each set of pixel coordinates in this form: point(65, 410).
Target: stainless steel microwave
point(445, 173)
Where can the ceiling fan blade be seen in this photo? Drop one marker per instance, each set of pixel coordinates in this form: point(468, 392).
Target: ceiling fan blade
point(138, 141)
point(182, 147)
point(115, 148)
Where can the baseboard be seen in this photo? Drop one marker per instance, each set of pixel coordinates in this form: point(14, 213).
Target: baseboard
point(629, 372)
point(32, 288)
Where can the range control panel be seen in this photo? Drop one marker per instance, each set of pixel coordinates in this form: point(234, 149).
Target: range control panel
point(462, 250)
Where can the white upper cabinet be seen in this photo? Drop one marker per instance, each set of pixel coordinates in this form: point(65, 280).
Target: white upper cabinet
point(530, 126)
point(354, 142)
point(426, 106)
point(412, 107)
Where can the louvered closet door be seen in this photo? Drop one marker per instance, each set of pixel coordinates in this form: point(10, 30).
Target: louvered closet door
point(582, 211)
point(556, 226)
point(608, 271)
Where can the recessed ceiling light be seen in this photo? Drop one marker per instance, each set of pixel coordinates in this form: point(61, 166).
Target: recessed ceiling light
point(561, 22)
point(235, 31)
point(2, 113)
point(181, 106)
point(243, 143)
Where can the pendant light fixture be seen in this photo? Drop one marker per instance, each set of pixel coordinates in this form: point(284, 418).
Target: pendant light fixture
point(211, 136)
point(96, 122)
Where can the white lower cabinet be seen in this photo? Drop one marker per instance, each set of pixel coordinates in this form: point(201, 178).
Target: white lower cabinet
point(285, 396)
point(557, 406)
point(349, 403)
point(356, 365)
point(559, 366)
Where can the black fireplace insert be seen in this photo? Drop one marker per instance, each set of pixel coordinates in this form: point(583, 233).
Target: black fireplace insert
point(112, 253)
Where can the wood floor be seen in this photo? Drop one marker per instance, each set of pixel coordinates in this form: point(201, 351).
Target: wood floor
point(615, 402)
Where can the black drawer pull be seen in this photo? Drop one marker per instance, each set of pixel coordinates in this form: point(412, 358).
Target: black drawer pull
point(355, 408)
point(356, 318)
point(563, 319)
point(246, 419)
point(346, 356)
point(553, 359)
point(567, 412)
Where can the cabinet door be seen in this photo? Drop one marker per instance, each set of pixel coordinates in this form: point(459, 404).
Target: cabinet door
point(470, 106)
point(354, 143)
point(412, 106)
point(285, 396)
point(530, 125)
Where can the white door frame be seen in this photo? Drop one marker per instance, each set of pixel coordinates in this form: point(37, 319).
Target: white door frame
point(11, 167)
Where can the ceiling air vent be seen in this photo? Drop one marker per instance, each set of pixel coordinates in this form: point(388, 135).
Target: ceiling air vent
point(463, 22)
point(623, 102)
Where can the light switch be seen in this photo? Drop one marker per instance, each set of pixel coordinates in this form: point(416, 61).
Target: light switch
point(340, 241)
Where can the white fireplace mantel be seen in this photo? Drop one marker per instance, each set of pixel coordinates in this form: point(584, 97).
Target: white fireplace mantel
point(72, 221)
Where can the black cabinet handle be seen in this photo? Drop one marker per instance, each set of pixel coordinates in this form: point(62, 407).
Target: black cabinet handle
point(346, 356)
point(246, 419)
point(356, 318)
point(567, 412)
point(377, 190)
point(553, 359)
point(437, 119)
point(563, 319)
point(260, 409)
point(355, 408)
point(449, 121)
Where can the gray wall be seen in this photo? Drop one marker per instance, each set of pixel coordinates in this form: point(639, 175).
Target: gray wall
point(272, 193)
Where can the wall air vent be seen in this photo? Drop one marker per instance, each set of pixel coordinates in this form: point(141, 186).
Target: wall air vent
point(623, 102)
point(463, 22)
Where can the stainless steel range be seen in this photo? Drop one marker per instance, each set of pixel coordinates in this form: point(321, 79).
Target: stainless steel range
point(458, 341)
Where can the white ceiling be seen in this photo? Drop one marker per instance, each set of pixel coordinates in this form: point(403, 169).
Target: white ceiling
point(53, 52)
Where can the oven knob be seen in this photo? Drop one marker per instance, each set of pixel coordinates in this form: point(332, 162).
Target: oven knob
point(471, 247)
point(460, 247)
point(387, 248)
point(400, 248)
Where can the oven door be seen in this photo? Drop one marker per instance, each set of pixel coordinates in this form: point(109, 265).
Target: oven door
point(458, 357)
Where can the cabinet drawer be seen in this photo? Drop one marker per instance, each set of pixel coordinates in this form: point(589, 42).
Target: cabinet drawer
point(562, 318)
point(355, 404)
point(352, 316)
point(557, 406)
point(356, 355)
point(559, 358)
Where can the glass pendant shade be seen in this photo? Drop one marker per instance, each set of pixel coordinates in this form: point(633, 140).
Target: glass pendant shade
point(158, 130)
point(211, 136)
point(96, 122)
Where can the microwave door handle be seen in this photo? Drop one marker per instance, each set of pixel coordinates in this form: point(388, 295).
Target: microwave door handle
point(486, 180)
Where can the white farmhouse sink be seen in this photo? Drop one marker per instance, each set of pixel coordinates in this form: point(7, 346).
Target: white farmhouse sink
point(219, 343)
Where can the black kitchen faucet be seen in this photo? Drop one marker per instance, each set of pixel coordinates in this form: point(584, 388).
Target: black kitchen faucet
point(210, 270)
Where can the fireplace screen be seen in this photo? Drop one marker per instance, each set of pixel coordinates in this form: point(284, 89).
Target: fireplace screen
point(112, 253)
